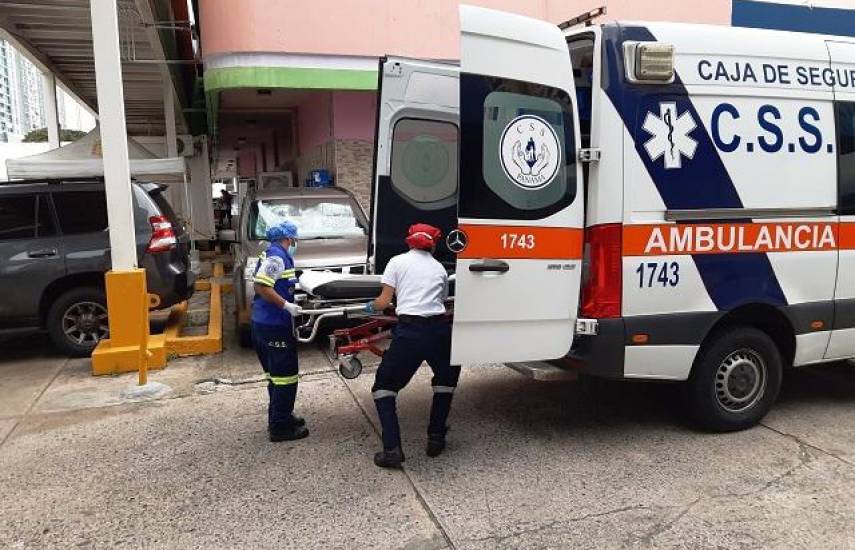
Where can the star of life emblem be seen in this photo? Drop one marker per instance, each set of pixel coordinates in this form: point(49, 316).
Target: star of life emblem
point(530, 152)
point(670, 135)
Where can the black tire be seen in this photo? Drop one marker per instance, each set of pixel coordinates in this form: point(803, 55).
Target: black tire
point(735, 380)
point(88, 305)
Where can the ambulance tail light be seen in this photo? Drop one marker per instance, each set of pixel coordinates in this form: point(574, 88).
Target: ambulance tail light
point(602, 286)
point(162, 235)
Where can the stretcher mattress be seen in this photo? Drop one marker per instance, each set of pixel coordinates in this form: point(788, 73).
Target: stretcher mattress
point(340, 286)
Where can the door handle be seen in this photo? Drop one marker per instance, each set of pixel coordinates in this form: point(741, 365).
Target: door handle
point(490, 266)
point(42, 253)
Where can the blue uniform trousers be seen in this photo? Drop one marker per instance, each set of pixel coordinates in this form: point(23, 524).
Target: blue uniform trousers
point(415, 340)
point(276, 347)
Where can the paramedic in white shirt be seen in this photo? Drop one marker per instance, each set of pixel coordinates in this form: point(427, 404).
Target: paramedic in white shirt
point(420, 284)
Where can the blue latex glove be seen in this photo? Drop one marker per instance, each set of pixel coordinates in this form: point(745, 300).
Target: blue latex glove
point(369, 308)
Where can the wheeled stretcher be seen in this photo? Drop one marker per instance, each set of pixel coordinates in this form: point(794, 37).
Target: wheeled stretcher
point(326, 296)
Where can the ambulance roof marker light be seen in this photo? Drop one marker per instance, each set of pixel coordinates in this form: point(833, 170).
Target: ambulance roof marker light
point(649, 62)
point(585, 18)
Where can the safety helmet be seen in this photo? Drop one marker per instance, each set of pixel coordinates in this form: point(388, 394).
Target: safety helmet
point(282, 230)
point(423, 236)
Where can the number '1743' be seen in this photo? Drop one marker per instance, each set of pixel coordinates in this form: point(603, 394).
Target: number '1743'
point(663, 274)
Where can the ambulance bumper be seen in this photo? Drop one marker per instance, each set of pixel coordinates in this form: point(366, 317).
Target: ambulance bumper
point(601, 354)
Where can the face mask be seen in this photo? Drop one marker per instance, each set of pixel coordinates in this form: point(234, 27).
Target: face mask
point(292, 249)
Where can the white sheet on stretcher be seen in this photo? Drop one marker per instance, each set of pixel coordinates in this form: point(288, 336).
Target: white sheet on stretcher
point(310, 280)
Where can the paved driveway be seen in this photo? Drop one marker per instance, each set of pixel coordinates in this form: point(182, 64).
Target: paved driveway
point(587, 464)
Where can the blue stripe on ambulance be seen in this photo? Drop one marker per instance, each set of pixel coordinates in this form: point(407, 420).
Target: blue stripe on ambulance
point(702, 182)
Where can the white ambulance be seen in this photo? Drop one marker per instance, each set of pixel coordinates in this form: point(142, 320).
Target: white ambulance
point(633, 200)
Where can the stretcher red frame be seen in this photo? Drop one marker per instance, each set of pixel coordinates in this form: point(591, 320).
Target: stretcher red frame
point(365, 336)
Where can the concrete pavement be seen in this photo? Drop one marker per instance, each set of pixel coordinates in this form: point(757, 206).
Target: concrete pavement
point(612, 465)
point(589, 464)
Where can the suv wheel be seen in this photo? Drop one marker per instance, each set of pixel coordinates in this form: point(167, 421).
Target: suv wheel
point(77, 321)
point(735, 380)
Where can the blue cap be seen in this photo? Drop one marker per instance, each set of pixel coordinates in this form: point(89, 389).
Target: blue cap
point(283, 230)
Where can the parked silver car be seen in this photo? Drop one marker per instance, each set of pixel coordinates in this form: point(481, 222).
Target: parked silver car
point(333, 235)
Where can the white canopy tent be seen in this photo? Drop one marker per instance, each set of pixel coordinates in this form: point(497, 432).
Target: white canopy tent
point(82, 159)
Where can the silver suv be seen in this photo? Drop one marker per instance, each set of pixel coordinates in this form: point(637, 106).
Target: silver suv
point(333, 235)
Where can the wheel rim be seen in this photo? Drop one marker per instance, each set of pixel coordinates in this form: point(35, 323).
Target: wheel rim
point(740, 381)
point(85, 323)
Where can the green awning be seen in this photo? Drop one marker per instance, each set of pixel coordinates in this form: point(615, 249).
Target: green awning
point(225, 78)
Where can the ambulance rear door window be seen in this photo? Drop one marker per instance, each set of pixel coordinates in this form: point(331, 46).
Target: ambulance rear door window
point(846, 157)
point(424, 162)
point(525, 142)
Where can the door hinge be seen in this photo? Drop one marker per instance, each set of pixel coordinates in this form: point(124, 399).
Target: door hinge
point(589, 155)
point(393, 69)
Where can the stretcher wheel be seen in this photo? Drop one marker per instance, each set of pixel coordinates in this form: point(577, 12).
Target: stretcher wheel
point(349, 367)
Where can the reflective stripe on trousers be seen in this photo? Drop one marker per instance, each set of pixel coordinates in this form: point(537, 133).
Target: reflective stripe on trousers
point(283, 380)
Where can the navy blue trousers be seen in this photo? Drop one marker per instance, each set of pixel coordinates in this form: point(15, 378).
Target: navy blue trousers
point(276, 348)
point(412, 344)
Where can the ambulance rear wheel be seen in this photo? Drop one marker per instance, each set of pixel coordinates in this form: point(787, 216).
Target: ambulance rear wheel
point(735, 380)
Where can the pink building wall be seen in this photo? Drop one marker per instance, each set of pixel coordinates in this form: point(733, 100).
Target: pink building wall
point(340, 115)
point(247, 162)
point(417, 28)
point(314, 121)
point(354, 115)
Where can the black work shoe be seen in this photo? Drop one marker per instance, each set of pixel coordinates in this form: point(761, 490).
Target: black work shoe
point(389, 459)
point(290, 433)
point(435, 446)
point(298, 421)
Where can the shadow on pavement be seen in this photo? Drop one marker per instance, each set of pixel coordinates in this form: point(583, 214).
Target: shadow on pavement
point(14, 348)
point(567, 405)
point(589, 402)
point(830, 383)
point(25, 347)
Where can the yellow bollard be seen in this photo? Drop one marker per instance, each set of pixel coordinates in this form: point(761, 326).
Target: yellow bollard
point(128, 349)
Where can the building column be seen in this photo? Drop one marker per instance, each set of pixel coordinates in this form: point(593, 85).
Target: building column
point(201, 195)
point(51, 115)
point(171, 138)
point(127, 296)
point(169, 119)
point(114, 137)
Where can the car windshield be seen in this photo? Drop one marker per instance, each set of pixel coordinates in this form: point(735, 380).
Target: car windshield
point(321, 218)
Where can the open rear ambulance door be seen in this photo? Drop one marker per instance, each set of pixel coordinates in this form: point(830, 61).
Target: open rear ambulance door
point(415, 174)
point(520, 204)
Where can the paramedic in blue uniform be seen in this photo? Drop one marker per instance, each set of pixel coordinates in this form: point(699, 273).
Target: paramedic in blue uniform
point(273, 331)
point(420, 286)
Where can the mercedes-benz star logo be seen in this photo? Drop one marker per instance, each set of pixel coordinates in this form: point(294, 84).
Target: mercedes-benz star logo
point(456, 241)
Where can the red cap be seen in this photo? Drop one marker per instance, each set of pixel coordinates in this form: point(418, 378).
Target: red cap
point(423, 236)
